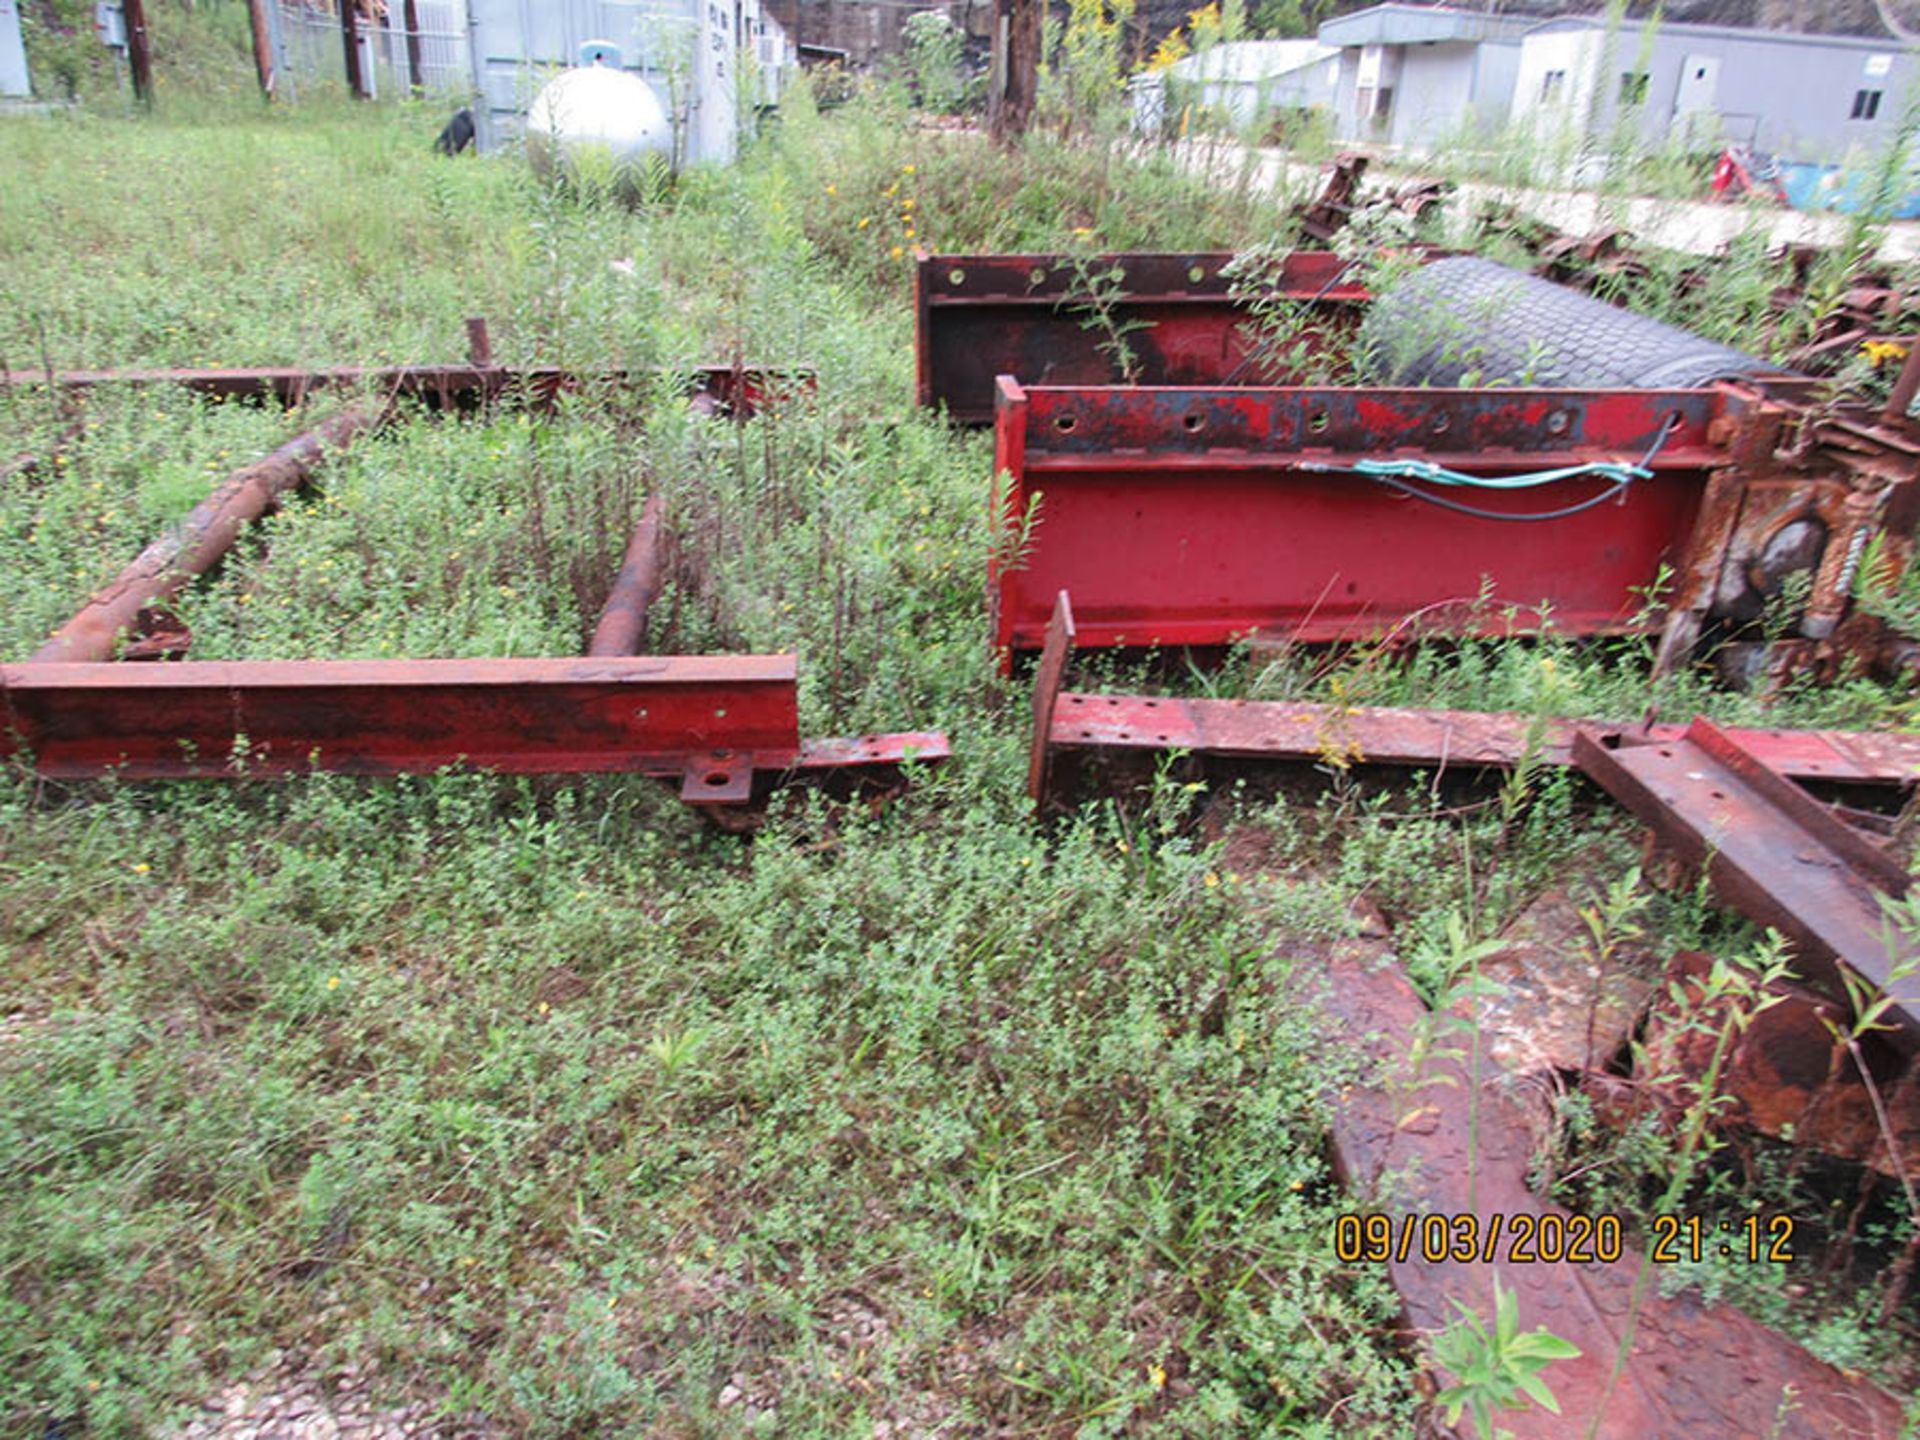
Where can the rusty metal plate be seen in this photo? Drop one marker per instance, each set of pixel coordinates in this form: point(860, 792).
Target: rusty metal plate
point(1411, 1146)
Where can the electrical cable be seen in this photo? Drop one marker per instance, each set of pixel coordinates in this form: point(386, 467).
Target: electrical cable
point(1622, 475)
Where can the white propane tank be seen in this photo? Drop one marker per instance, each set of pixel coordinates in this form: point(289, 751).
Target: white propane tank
point(599, 123)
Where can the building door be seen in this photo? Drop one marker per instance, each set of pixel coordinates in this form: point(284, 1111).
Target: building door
point(1696, 100)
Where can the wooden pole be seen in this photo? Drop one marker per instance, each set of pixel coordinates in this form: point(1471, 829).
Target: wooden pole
point(1016, 67)
point(411, 15)
point(139, 51)
point(350, 37)
point(262, 46)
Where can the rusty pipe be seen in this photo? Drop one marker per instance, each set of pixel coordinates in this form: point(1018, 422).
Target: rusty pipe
point(623, 619)
point(196, 544)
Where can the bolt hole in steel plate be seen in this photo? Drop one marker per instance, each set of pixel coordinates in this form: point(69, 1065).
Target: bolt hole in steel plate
point(1195, 421)
point(719, 712)
point(1318, 421)
point(1064, 424)
point(1036, 276)
point(1557, 423)
point(1442, 424)
point(1196, 273)
point(956, 278)
point(718, 777)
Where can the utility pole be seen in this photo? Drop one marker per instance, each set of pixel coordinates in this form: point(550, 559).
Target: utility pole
point(1016, 67)
point(262, 46)
point(139, 52)
point(410, 16)
point(350, 37)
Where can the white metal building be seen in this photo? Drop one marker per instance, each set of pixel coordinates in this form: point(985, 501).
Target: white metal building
point(13, 53)
point(1811, 97)
point(714, 64)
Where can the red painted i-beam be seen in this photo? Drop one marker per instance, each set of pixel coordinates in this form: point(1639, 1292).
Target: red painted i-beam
point(1180, 516)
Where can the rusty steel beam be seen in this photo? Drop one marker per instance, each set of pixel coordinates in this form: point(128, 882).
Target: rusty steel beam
point(1691, 1369)
point(1047, 680)
point(737, 389)
point(1083, 727)
point(196, 544)
point(1181, 516)
point(1771, 852)
point(982, 316)
point(623, 619)
point(724, 728)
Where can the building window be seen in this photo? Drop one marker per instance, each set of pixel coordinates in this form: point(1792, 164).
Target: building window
point(1866, 104)
point(1553, 87)
point(1633, 87)
point(1383, 103)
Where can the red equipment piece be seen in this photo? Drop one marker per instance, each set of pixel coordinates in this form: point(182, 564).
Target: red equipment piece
point(714, 724)
point(1193, 517)
point(1201, 516)
point(1057, 319)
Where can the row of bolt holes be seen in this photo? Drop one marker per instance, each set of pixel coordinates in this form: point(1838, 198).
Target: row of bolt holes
point(1124, 735)
point(1195, 421)
point(1038, 276)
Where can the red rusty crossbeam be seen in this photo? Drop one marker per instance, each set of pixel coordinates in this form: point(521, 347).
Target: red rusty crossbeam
point(980, 316)
point(1080, 727)
point(740, 389)
point(1198, 516)
point(712, 723)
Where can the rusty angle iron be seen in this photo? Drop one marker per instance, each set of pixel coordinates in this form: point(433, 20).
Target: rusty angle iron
point(1722, 798)
point(1771, 851)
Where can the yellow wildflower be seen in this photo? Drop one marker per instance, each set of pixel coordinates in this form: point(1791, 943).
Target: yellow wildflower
point(333, 982)
point(141, 867)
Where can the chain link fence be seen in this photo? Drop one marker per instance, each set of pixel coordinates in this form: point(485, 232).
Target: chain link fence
point(311, 48)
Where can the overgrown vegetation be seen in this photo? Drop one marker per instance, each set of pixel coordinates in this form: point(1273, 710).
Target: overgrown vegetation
point(579, 1117)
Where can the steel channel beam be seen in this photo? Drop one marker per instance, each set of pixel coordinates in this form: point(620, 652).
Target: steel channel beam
point(981, 316)
point(1771, 852)
point(1089, 725)
point(1078, 725)
point(742, 389)
point(393, 717)
point(1199, 516)
point(714, 724)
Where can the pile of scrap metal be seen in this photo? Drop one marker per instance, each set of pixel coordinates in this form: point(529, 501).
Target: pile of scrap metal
point(724, 729)
point(1526, 456)
point(1601, 458)
point(1340, 201)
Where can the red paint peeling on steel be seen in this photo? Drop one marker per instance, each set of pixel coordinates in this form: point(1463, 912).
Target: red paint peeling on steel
point(1469, 739)
point(1023, 315)
point(388, 717)
point(1184, 516)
